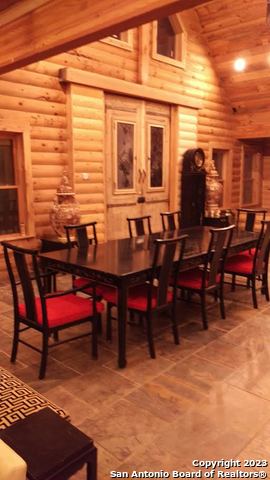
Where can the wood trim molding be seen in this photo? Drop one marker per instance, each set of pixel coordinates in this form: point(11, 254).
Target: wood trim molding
point(115, 85)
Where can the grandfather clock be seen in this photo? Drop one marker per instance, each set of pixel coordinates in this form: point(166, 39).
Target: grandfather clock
point(193, 188)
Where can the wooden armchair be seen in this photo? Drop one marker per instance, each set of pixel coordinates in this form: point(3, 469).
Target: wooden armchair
point(43, 312)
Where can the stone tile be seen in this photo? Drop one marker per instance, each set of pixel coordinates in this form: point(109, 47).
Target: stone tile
point(165, 346)
point(253, 377)
point(195, 435)
point(123, 428)
point(200, 374)
point(99, 388)
point(258, 448)
point(56, 374)
point(232, 408)
point(140, 367)
point(224, 353)
point(165, 397)
point(153, 459)
point(195, 333)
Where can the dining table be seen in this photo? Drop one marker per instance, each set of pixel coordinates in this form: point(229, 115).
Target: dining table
point(127, 261)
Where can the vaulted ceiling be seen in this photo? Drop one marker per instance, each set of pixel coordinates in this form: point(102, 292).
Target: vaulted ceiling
point(36, 29)
point(238, 28)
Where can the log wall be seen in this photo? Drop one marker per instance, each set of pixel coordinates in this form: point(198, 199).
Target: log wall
point(67, 122)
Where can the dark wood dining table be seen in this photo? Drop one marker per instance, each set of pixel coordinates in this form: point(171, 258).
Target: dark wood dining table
point(127, 262)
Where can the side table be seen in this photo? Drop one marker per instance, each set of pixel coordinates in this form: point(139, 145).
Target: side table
point(216, 222)
point(52, 448)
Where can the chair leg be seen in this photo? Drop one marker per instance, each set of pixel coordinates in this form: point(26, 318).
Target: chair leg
point(203, 309)
point(44, 356)
point(56, 336)
point(254, 295)
point(265, 286)
point(95, 336)
point(15, 343)
point(99, 323)
point(233, 283)
point(174, 325)
point(109, 322)
point(150, 335)
point(221, 300)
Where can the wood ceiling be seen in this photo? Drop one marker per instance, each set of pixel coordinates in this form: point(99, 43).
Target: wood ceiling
point(32, 30)
point(237, 28)
point(35, 29)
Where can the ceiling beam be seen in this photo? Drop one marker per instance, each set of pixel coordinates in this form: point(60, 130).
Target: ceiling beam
point(48, 27)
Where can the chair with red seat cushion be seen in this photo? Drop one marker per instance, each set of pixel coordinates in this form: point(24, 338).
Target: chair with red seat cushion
point(209, 277)
point(253, 267)
point(154, 294)
point(45, 313)
point(247, 219)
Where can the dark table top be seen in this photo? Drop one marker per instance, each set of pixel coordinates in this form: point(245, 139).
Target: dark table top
point(125, 256)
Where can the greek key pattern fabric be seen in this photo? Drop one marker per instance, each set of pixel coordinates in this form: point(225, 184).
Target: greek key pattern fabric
point(18, 400)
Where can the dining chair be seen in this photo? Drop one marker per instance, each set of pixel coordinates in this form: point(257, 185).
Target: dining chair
point(82, 240)
point(253, 266)
point(170, 220)
point(158, 292)
point(246, 218)
point(82, 237)
point(209, 277)
point(139, 226)
point(43, 312)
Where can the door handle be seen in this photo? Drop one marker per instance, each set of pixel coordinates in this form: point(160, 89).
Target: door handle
point(140, 175)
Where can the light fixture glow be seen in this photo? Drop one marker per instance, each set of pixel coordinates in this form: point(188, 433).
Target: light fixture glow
point(240, 64)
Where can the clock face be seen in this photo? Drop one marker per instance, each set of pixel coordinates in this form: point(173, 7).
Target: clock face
point(199, 159)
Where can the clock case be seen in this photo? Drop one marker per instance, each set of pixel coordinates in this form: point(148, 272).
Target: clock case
point(193, 185)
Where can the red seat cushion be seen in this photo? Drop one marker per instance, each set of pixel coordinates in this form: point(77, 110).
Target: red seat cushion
point(137, 297)
point(80, 282)
point(192, 279)
point(63, 310)
point(250, 252)
point(109, 293)
point(239, 264)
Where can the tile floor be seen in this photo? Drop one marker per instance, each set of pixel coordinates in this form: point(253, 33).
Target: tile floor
point(208, 398)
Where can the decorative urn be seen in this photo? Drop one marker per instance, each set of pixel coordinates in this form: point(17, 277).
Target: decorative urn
point(65, 209)
point(214, 190)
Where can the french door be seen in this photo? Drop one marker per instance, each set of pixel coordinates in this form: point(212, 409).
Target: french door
point(137, 162)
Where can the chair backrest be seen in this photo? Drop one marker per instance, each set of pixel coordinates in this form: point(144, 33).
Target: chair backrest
point(141, 225)
point(22, 266)
point(261, 256)
point(81, 233)
point(219, 245)
point(248, 217)
point(167, 259)
point(171, 220)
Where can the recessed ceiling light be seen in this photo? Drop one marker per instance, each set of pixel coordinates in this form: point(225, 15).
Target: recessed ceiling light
point(240, 64)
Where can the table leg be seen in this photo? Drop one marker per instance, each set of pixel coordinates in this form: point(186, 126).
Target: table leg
point(122, 321)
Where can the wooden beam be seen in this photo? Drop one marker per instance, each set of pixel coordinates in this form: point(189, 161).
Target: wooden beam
point(115, 85)
point(59, 25)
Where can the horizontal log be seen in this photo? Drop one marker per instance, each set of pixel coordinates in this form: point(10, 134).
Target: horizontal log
point(31, 105)
point(48, 146)
point(30, 91)
point(48, 133)
point(49, 158)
